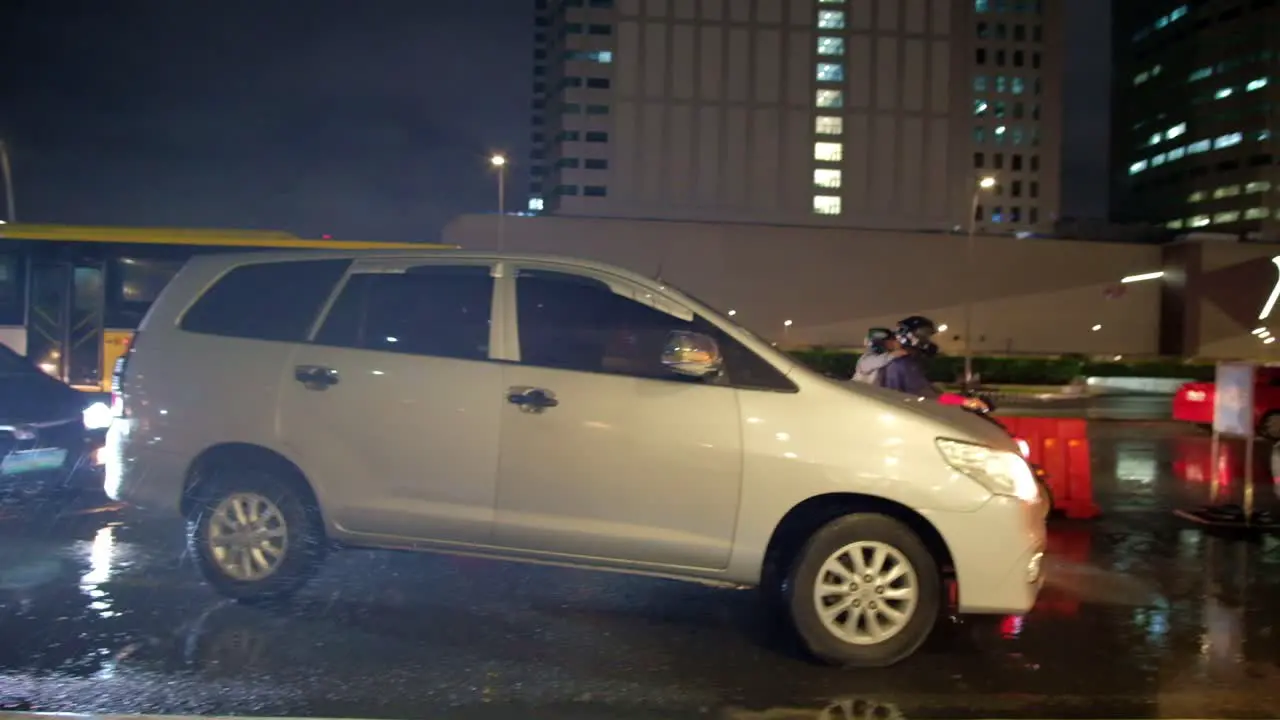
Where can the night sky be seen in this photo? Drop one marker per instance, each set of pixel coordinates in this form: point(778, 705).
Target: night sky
point(370, 119)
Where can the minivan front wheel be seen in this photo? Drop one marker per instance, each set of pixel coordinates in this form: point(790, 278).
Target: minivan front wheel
point(254, 538)
point(864, 592)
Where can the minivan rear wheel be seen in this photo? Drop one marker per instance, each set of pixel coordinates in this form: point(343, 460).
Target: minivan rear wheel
point(254, 538)
point(864, 591)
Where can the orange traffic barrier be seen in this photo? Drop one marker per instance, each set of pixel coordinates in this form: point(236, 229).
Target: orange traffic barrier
point(1061, 447)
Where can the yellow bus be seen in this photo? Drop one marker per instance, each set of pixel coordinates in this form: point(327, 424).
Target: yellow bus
point(71, 296)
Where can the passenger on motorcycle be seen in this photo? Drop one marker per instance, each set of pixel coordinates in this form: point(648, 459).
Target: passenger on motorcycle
point(881, 349)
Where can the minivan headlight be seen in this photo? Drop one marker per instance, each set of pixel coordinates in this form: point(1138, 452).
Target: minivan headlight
point(1000, 471)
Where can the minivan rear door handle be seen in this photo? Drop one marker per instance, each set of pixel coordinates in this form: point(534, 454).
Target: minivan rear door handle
point(315, 377)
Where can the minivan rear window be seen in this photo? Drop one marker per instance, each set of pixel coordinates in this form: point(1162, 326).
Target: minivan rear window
point(266, 301)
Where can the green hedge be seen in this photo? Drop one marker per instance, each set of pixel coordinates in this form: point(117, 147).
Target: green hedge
point(1016, 371)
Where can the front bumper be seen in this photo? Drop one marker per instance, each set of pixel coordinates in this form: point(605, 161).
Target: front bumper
point(998, 552)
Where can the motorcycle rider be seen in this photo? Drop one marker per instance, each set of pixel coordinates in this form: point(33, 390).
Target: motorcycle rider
point(881, 350)
point(907, 373)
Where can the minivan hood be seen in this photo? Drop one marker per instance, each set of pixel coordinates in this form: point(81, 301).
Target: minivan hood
point(958, 423)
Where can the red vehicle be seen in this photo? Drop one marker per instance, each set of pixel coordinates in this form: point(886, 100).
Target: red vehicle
point(1193, 403)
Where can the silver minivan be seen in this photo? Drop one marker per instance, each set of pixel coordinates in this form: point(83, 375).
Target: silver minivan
point(554, 410)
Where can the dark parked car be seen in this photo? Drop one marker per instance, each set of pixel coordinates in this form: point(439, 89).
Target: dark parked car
point(50, 434)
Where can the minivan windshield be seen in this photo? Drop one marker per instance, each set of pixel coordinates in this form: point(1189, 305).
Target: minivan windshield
point(723, 315)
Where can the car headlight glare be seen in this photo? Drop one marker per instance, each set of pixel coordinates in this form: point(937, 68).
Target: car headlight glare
point(1000, 471)
point(97, 416)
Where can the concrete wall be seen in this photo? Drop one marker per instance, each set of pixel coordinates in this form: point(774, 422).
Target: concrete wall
point(1029, 295)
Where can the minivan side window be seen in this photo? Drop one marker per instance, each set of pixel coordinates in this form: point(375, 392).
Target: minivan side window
point(266, 301)
point(570, 322)
point(432, 310)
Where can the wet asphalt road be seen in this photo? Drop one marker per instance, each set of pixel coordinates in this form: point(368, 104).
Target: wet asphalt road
point(1142, 617)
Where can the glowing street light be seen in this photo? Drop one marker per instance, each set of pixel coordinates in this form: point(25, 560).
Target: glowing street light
point(499, 162)
point(986, 182)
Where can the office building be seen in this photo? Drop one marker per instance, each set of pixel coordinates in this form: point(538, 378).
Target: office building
point(1195, 114)
point(837, 113)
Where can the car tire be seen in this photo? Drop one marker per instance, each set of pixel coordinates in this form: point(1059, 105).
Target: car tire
point(1269, 428)
point(844, 637)
point(281, 524)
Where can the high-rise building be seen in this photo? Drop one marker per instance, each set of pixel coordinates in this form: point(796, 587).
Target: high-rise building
point(858, 113)
point(1194, 115)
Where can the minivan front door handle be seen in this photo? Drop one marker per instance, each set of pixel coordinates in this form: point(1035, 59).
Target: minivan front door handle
point(315, 377)
point(532, 399)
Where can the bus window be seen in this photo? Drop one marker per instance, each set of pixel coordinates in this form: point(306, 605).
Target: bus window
point(141, 280)
point(11, 296)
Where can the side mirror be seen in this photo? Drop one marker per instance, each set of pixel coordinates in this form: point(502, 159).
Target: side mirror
point(691, 354)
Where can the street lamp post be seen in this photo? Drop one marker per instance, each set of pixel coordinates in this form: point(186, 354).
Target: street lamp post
point(786, 331)
point(499, 162)
point(985, 183)
point(11, 212)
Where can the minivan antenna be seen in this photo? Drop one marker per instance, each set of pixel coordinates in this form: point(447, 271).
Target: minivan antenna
point(662, 259)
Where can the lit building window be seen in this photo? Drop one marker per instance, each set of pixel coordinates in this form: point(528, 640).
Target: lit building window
point(1137, 167)
point(830, 46)
point(827, 178)
point(1175, 131)
point(980, 83)
point(1222, 93)
point(1197, 221)
point(828, 125)
point(1018, 85)
point(1142, 77)
point(1176, 153)
point(597, 56)
point(979, 108)
point(831, 19)
point(829, 98)
point(1227, 140)
point(1257, 84)
point(829, 72)
point(1199, 146)
point(828, 152)
point(536, 204)
point(1197, 196)
point(1174, 224)
point(826, 204)
point(1200, 74)
point(1226, 191)
point(1257, 186)
point(981, 6)
point(1257, 213)
point(1157, 160)
point(1228, 216)
point(1155, 139)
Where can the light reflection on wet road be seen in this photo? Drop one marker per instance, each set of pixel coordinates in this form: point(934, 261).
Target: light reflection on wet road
point(1142, 617)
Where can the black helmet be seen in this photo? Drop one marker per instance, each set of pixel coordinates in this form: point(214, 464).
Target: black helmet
point(917, 332)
